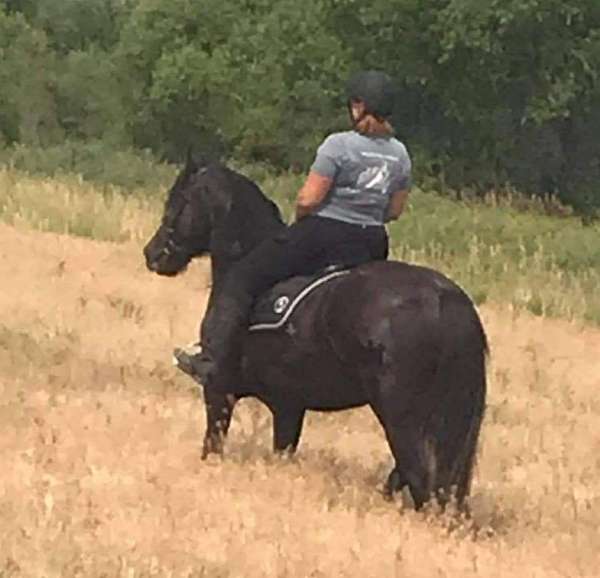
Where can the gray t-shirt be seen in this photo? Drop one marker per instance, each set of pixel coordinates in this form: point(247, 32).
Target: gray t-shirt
point(366, 171)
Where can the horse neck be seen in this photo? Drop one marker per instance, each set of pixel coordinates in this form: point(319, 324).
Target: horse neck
point(246, 225)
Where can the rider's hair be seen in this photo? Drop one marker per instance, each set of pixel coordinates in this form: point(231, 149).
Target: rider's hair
point(370, 125)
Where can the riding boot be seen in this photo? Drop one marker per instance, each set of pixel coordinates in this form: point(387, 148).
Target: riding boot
point(218, 363)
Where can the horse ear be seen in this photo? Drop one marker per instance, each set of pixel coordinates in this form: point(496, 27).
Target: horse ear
point(190, 161)
point(194, 162)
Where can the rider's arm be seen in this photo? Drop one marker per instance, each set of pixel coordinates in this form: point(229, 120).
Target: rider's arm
point(312, 194)
point(397, 205)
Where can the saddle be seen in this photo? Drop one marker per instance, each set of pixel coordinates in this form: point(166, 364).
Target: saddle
point(273, 309)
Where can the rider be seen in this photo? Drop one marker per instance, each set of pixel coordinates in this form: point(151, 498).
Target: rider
point(359, 180)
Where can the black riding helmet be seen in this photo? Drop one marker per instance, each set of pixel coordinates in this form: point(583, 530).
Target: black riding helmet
point(375, 89)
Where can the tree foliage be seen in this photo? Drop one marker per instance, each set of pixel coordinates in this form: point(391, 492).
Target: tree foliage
point(493, 92)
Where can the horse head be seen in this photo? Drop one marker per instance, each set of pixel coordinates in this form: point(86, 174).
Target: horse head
point(210, 209)
point(185, 229)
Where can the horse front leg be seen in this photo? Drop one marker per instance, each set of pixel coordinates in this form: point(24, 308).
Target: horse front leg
point(219, 409)
point(287, 427)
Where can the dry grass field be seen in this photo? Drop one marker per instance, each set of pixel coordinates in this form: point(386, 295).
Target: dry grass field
point(99, 445)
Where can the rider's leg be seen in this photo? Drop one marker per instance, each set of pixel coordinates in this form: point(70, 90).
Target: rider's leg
point(224, 325)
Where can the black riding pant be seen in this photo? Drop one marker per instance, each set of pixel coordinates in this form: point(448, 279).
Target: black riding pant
point(306, 247)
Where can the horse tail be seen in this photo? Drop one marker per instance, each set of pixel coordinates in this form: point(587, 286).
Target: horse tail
point(452, 429)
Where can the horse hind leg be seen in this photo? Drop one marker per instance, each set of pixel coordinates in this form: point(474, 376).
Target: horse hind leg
point(434, 461)
point(434, 453)
point(402, 432)
point(410, 470)
point(287, 427)
point(394, 483)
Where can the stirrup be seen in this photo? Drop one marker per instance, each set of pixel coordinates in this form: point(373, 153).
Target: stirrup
point(199, 364)
point(186, 359)
point(185, 352)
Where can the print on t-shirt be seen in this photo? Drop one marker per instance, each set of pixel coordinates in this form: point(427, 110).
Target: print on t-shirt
point(377, 178)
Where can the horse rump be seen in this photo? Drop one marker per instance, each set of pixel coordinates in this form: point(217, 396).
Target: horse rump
point(432, 402)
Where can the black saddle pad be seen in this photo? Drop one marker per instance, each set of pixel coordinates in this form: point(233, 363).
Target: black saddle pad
point(274, 308)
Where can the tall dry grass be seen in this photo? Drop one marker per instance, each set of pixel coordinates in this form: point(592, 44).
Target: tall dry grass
point(99, 445)
point(73, 206)
point(547, 265)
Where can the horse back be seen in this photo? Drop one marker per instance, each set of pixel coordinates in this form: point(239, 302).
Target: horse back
point(349, 330)
point(387, 306)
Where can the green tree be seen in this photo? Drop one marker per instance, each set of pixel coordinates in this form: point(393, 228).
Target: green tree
point(258, 78)
point(77, 24)
point(528, 72)
point(27, 107)
point(90, 97)
point(492, 91)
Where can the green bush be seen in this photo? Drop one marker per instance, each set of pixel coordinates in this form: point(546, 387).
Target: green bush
point(94, 161)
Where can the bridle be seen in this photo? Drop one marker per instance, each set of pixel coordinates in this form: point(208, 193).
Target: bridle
point(171, 246)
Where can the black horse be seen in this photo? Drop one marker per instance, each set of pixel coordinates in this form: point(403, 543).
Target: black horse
point(404, 339)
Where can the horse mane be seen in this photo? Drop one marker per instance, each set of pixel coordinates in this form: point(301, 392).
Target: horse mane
point(248, 195)
point(248, 216)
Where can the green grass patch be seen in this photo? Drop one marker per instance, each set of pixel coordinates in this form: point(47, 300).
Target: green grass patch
point(549, 265)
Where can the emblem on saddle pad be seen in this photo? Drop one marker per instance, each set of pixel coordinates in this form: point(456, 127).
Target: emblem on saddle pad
point(281, 304)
